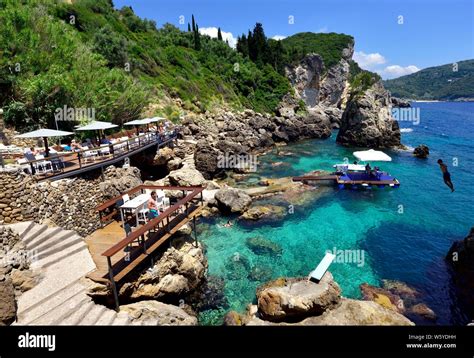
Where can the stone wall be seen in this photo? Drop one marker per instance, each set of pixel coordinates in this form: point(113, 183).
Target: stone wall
point(68, 203)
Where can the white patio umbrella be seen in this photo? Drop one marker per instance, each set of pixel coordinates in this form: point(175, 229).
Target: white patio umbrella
point(97, 126)
point(44, 133)
point(372, 156)
point(137, 123)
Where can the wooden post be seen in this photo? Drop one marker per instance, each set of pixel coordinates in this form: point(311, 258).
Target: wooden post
point(195, 232)
point(114, 286)
point(79, 159)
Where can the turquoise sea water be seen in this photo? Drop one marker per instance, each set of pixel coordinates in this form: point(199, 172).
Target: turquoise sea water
point(404, 233)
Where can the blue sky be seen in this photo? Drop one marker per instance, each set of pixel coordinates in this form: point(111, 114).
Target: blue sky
point(393, 37)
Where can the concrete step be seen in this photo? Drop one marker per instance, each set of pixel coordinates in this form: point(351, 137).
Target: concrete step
point(58, 275)
point(62, 312)
point(22, 227)
point(56, 257)
point(46, 236)
point(36, 231)
point(32, 307)
point(107, 318)
point(66, 240)
point(93, 315)
point(75, 317)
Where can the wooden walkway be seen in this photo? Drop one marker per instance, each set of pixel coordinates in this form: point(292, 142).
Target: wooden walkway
point(133, 255)
point(67, 165)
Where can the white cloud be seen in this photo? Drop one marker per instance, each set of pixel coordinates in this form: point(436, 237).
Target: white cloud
point(279, 37)
point(323, 29)
point(368, 61)
point(212, 32)
point(394, 71)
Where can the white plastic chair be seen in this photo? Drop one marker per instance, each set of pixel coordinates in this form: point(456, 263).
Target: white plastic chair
point(104, 149)
point(125, 198)
point(143, 214)
point(43, 166)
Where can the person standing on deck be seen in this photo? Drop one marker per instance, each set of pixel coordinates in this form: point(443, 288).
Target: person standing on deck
point(446, 175)
point(153, 206)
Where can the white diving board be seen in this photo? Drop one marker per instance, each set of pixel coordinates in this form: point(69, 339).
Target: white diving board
point(323, 266)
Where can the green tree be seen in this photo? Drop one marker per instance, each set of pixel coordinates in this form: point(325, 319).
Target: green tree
point(219, 34)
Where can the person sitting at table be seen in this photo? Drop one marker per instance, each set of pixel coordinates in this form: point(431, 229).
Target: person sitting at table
point(104, 140)
point(75, 146)
point(153, 206)
point(31, 150)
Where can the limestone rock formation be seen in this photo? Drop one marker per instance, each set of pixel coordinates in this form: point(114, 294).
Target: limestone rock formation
point(367, 121)
point(8, 305)
point(180, 271)
point(164, 314)
point(400, 103)
point(296, 299)
point(230, 200)
point(264, 212)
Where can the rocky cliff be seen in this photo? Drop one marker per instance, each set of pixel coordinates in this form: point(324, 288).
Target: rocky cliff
point(316, 84)
point(367, 120)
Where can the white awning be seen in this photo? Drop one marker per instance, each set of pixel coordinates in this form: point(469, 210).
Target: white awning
point(137, 122)
point(96, 126)
point(44, 132)
point(372, 156)
point(156, 119)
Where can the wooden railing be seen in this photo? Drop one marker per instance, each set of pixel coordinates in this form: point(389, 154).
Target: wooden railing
point(85, 157)
point(150, 235)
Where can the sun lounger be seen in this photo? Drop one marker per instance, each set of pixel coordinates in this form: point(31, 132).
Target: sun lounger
point(321, 269)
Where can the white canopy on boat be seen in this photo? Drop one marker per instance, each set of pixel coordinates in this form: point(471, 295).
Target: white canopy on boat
point(96, 126)
point(372, 156)
point(44, 133)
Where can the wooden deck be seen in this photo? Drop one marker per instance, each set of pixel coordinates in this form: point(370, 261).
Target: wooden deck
point(128, 260)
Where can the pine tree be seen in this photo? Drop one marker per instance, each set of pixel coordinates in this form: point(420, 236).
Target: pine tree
point(242, 45)
point(189, 27)
point(197, 38)
point(194, 23)
point(219, 34)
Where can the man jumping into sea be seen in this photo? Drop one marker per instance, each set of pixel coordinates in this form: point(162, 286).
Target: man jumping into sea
point(446, 175)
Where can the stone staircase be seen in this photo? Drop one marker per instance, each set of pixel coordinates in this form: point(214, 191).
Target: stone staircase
point(61, 259)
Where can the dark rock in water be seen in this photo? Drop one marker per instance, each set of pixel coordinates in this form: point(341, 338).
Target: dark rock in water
point(401, 289)
point(423, 311)
point(263, 246)
point(211, 295)
point(237, 267)
point(460, 258)
point(8, 306)
point(260, 273)
point(422, 151)
point(367, 120)
point(400, 103)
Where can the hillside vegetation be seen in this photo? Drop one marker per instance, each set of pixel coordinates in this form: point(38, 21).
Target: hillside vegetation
point(86, 54)
point(436, 83)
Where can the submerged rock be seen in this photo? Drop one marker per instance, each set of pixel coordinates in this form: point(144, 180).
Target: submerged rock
point(232, 318)
point(297, 298)
point(260, 273)
point(424, 311)
point(263, 246)
point(422, 151)
point(237, 267)
point(383, 297)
